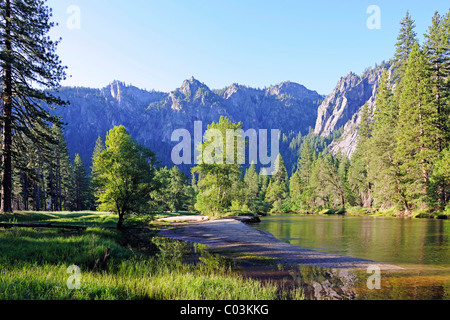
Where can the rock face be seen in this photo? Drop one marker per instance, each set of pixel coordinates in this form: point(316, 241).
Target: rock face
point(342, 108)
point(151, 117)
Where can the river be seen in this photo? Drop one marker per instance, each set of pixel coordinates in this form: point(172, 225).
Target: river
point(420, 246)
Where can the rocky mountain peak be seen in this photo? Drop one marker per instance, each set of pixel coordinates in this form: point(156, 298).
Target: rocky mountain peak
point(114, 89)
point(191, 86)
point(292, 89)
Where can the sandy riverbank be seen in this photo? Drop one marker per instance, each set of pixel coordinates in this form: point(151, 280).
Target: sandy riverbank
point(238, 237)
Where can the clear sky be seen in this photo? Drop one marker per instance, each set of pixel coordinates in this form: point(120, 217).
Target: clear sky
point(258, 43)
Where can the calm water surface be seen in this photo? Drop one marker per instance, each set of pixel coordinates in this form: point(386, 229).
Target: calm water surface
point(420, 246)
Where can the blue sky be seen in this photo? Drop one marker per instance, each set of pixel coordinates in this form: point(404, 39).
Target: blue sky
point(158, 44)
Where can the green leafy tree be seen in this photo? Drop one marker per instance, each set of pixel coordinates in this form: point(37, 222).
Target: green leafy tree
point(124, 172)
point(30, 67)
point(179, 190)
point(161, 194)
point(218, 176)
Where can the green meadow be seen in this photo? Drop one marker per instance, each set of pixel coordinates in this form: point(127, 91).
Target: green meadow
point(34, 263)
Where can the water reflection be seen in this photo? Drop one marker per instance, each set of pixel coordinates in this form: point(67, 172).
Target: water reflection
point(323, 283)
point(421, 246)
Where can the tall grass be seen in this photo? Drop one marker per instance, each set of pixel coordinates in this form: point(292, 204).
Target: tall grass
point(34, 266)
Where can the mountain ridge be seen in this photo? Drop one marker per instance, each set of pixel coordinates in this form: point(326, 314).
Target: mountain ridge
point(152, 116)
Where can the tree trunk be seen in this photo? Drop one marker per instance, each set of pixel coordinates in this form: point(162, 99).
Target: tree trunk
point(7, 119)
point(25, 187)
point(422, 148)
point(120, 222)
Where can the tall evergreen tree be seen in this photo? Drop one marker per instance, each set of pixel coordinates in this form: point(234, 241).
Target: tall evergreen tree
point(360, 167)
point(385, 173)
point(30, 65)
point(252, 183)
point(416, 134)
point(437, 50)
point(305, 163)
point(81, 184)
point(405, 41)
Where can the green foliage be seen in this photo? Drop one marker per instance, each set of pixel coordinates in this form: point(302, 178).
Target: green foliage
point(31, 70)
point(172, 192)
point(81, 184)
point(218, 177)
point(124, 172)
point(34, 266)
point(252, 182)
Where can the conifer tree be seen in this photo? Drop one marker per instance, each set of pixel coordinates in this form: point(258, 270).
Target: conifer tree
point(305, 163)
point(359, 181)
point(416, 133)
point(81, 184)
point(437, 51)
point(252, 183)
point(385, 172)
point(264, 182)
point(30, 66)
point(405, 41)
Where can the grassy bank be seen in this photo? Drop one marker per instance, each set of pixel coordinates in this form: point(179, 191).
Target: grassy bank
point(389, 212)
point(34, 263)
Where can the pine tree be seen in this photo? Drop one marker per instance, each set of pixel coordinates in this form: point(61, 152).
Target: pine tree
point(384, 166)
point(296, 186)
point(320, 193)
point(359, 181)
point(81, 184)
point(98, 148)
point(30, 67)
point(280, 183)
point(252, 183)
point(264, 182)
point(305, 163)
point(280, 172)
point(64, 174)
point(405, 41)
point(437, 51)
point(416, 134)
